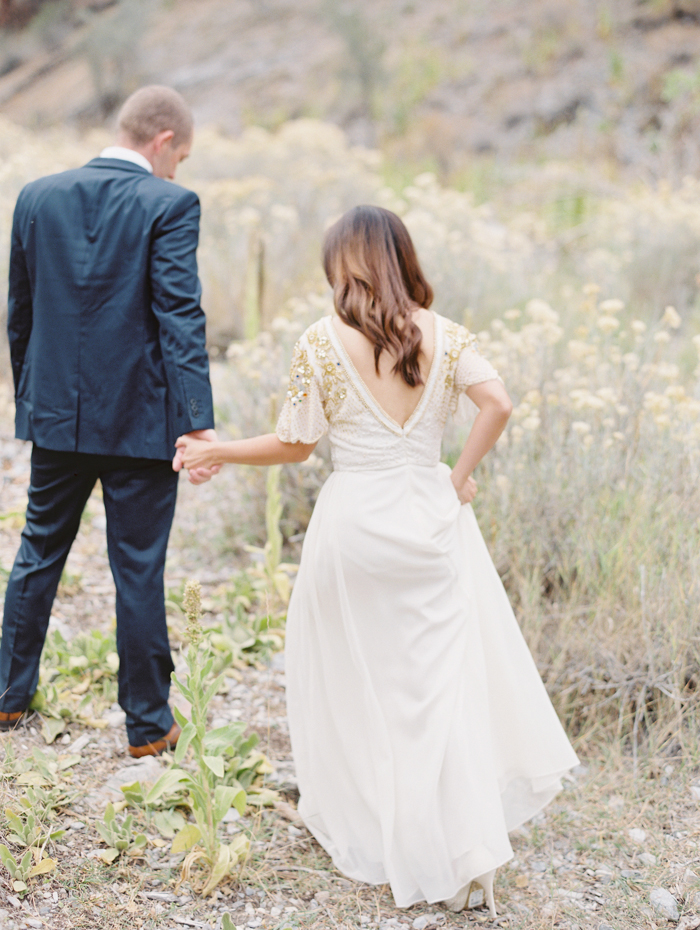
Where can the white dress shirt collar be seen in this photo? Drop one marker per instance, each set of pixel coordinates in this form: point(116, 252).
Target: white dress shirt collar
point(118, 151)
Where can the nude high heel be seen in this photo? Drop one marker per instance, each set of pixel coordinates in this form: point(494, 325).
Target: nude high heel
point(461, 900)
point(486, 882)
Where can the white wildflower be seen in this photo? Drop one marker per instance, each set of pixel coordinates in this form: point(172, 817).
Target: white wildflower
point(611, 306)
point(671, 317)
point(607, 323)
point(580, 427)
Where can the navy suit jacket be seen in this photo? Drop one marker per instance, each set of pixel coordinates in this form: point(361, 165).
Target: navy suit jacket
point(104, 320)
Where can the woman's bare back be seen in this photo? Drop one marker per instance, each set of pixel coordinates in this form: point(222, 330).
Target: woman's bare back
point(396, 398)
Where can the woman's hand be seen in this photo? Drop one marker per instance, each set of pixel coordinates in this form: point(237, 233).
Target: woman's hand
point(466, 492)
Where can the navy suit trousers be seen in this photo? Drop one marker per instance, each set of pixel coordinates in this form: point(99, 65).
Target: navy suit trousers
point(139, 498)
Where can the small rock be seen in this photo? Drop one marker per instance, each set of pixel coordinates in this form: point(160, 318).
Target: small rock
point(114, 718)
point(80, 743)
point(15, 902)
point(647, 858)
point(323, 897)
point(630, 873)
point(689, 923)
point(420, 922)
point(695, 791)
point(664, 904)
point(690, 879)
point(147, 769)
point(31, 922)
point(636, 835)
point(605, 927)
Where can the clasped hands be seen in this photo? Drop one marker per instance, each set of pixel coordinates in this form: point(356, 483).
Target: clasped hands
point(191, 454)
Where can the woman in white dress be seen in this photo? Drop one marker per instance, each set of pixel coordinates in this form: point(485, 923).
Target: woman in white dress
point(421, 730)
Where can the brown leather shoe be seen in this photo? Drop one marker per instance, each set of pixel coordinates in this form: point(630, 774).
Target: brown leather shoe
point(10, 721)
point(169, 741)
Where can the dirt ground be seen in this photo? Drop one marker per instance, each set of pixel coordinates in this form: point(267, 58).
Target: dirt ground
point(592, 860)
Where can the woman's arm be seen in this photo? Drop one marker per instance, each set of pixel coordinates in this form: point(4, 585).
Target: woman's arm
point(494, 409)
point(259, 450)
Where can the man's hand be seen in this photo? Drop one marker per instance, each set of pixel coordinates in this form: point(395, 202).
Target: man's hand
point(197, 475)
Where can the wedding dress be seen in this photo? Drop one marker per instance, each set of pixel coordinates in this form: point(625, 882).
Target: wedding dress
point(421, 730)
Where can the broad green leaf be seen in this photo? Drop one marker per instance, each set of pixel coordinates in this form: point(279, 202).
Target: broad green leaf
point(168, 781)
point(19, 886)
point(227, 923)
point(76, 662)
point(8, 860)
point(180, 717)
point(134, 793)
point(108, 855)
point(184, 690)
point(109, 814)
point(262, 797)
point(221, 867)
point(26, 861)
point(239, 846)
point(15, 839)
point(188, 731)
point(186, 838)
point(212, 690)
point(15, 821)
point(226, 797)
point(32, 778)
point(67, 762)
point(112, 662)
point(51, 728)
point(167, 823)
point(140, 840)
point(46, 865)
point(214, 764)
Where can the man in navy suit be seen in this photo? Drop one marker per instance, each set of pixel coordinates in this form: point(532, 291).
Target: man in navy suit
point(109, 362)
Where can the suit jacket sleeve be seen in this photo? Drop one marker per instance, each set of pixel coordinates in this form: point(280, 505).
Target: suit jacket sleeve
point(19, 303)
point(176, 294)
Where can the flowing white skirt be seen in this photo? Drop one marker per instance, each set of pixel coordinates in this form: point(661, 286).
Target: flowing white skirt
point(420, 727)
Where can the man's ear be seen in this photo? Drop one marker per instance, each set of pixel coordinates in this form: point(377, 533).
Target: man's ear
point(161, 139)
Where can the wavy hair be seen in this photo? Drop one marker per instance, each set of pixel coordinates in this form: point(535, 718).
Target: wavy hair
point(377, 282)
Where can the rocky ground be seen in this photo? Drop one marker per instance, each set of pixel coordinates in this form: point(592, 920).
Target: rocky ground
point(616, 851)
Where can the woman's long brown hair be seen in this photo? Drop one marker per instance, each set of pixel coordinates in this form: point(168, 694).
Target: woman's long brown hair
point(377, 282)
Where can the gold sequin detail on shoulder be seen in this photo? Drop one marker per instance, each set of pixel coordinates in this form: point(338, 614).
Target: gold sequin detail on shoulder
point(300, 376)
point(333, 378)
point(457, 338)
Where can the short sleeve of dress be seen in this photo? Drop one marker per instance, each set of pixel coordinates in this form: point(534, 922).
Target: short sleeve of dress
point(471, 368)
point(302, 418)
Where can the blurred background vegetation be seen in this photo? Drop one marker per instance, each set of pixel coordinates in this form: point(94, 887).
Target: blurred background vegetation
point(546, 158)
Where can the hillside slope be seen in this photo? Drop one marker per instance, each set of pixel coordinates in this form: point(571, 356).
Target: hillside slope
point(441, 81)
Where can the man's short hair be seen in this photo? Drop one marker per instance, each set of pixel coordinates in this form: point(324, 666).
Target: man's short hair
point(153, 109)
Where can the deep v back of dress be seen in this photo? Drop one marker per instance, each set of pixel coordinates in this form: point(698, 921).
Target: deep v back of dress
point(420, 728)
point(391, 393)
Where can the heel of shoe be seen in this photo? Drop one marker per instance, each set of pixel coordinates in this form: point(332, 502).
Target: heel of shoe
point(486, 882)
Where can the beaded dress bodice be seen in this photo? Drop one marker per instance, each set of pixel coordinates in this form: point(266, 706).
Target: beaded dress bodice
point(326, 394)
